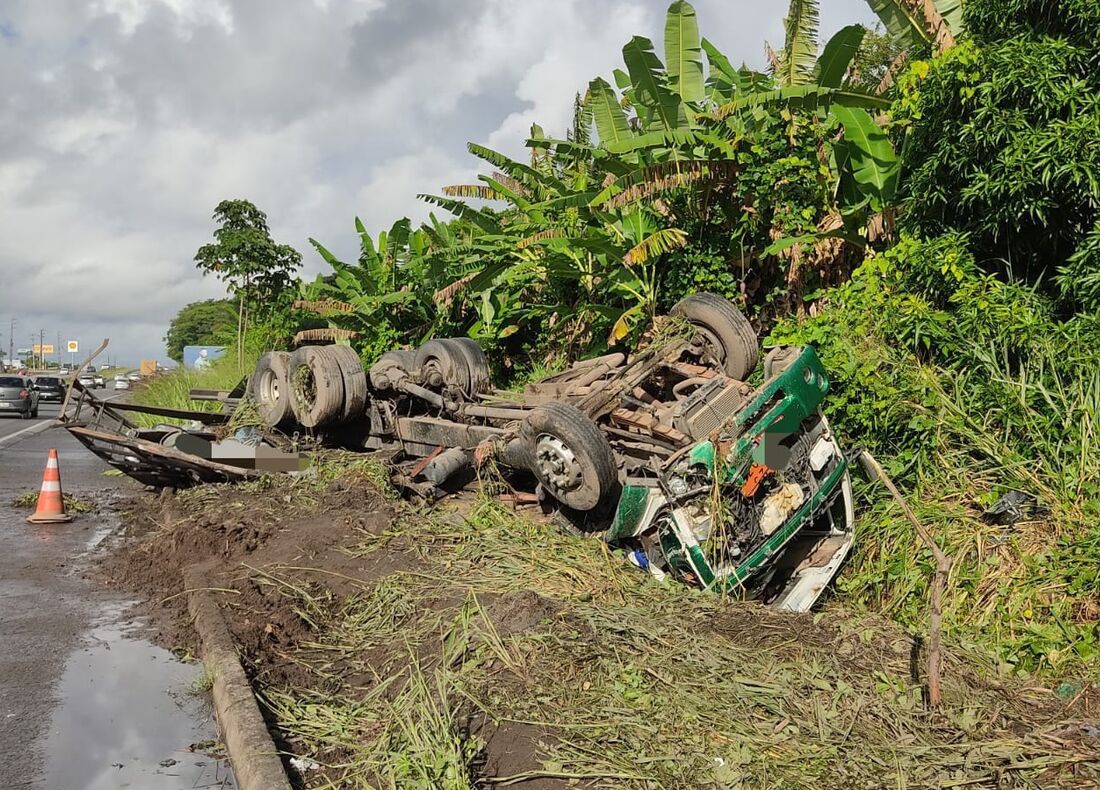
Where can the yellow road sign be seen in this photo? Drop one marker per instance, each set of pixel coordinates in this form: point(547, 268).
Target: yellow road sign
point(72, 346)
point(45, 348)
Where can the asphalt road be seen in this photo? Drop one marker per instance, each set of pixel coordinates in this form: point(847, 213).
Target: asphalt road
point(13, 424)
point(83, 702)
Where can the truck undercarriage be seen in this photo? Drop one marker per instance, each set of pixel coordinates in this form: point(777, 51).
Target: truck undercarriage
point(667, 453)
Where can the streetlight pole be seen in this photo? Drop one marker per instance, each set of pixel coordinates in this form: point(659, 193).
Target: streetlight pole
point(11, 343)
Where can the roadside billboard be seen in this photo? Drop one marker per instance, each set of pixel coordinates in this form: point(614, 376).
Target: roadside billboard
point(201, 356)
point(45, 348)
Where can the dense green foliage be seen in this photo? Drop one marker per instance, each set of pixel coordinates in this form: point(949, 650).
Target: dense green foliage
point(1002, 142)
point(690, 174)
point(210, 322)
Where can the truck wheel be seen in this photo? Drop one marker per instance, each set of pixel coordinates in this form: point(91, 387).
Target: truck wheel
point(390, 368)
point(441, 364)
point(570, 456)
point(316, 387)
point(477, 363)
point(355, 379)
point(725, 336)
point(270, 388)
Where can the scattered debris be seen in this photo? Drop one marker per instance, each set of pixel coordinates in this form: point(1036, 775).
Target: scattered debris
point(1015, 506)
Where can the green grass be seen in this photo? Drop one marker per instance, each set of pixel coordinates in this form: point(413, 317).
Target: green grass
point(172, 390)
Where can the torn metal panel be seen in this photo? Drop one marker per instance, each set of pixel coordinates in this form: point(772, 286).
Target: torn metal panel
point(155, 464)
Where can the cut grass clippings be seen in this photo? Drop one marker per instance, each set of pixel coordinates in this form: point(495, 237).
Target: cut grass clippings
point(72, 504)
point(509, 652)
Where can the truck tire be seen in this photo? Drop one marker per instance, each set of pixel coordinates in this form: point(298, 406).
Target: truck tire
point(270, 388)
point(570, 456)
point(316, 387)
point(478, 364)
point(728, 337)
point(390, 368)
point(355, 379)
point(441, 364)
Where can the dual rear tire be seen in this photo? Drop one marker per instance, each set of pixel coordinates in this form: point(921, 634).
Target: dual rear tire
point(314, 386)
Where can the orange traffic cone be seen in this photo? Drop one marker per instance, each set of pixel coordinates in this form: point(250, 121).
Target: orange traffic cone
point(51, 503)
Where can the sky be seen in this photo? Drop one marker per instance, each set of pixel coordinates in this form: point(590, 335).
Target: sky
point(124, 122)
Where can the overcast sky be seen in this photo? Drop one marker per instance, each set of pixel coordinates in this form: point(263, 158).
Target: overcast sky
point(124, 122)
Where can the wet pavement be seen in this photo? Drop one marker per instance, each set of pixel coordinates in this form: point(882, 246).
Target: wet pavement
point(85, 702)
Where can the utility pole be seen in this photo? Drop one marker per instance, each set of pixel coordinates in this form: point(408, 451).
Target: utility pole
point(42, 347)
point(11, 343)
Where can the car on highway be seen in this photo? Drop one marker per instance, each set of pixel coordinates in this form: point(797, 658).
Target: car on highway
point(18, 396)
point(121, 382)
point(87, 379)
point(50, 388)
point(99, 381)
point(134, 376)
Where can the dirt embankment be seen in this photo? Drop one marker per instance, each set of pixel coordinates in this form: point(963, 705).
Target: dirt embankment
point(394, 647)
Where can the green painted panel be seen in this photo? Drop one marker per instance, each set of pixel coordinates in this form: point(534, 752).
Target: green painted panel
point(632, 506)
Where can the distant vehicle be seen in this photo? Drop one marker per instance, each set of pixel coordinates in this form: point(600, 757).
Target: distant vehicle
point(104, 367)
point(50, 388)
point(18, 396)
point(134, 376)
point(99, 382)
point(122, 382)
point(87, 380)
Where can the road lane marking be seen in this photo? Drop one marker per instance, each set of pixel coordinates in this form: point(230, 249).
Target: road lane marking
point(38, 427)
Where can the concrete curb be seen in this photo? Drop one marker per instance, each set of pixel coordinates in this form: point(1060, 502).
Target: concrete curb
point(252, 752)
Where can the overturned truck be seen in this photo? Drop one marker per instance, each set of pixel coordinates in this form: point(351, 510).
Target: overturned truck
point(667, 452)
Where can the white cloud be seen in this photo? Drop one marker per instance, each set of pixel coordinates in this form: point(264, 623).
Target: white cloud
point(124, 122)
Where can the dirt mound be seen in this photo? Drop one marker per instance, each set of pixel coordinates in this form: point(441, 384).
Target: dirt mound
point(225, 528)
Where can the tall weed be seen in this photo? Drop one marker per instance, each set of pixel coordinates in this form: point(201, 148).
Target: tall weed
point(968, 387)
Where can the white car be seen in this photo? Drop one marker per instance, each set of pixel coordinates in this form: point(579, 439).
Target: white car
point(134, 376)
point(122, 383)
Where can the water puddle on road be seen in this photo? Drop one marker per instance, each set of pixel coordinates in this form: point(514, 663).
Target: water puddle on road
point(127, 714)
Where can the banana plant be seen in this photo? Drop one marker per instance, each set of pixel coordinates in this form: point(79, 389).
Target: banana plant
point(918, 25)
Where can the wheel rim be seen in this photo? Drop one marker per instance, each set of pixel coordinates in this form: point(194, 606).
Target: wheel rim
point(269, 387)
point(706, 345)
point(557, 465)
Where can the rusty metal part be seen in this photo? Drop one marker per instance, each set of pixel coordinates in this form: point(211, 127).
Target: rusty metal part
point(709, 407)
point(434, 432)
point(423, 462)
point(646, 424)
point(154, 464)
point(494, 412)
point(74, 380)
point(638, 370)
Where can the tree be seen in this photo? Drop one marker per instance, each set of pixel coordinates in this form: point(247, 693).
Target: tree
point(1000, 135)
point(245, 257)
point(210, 322)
